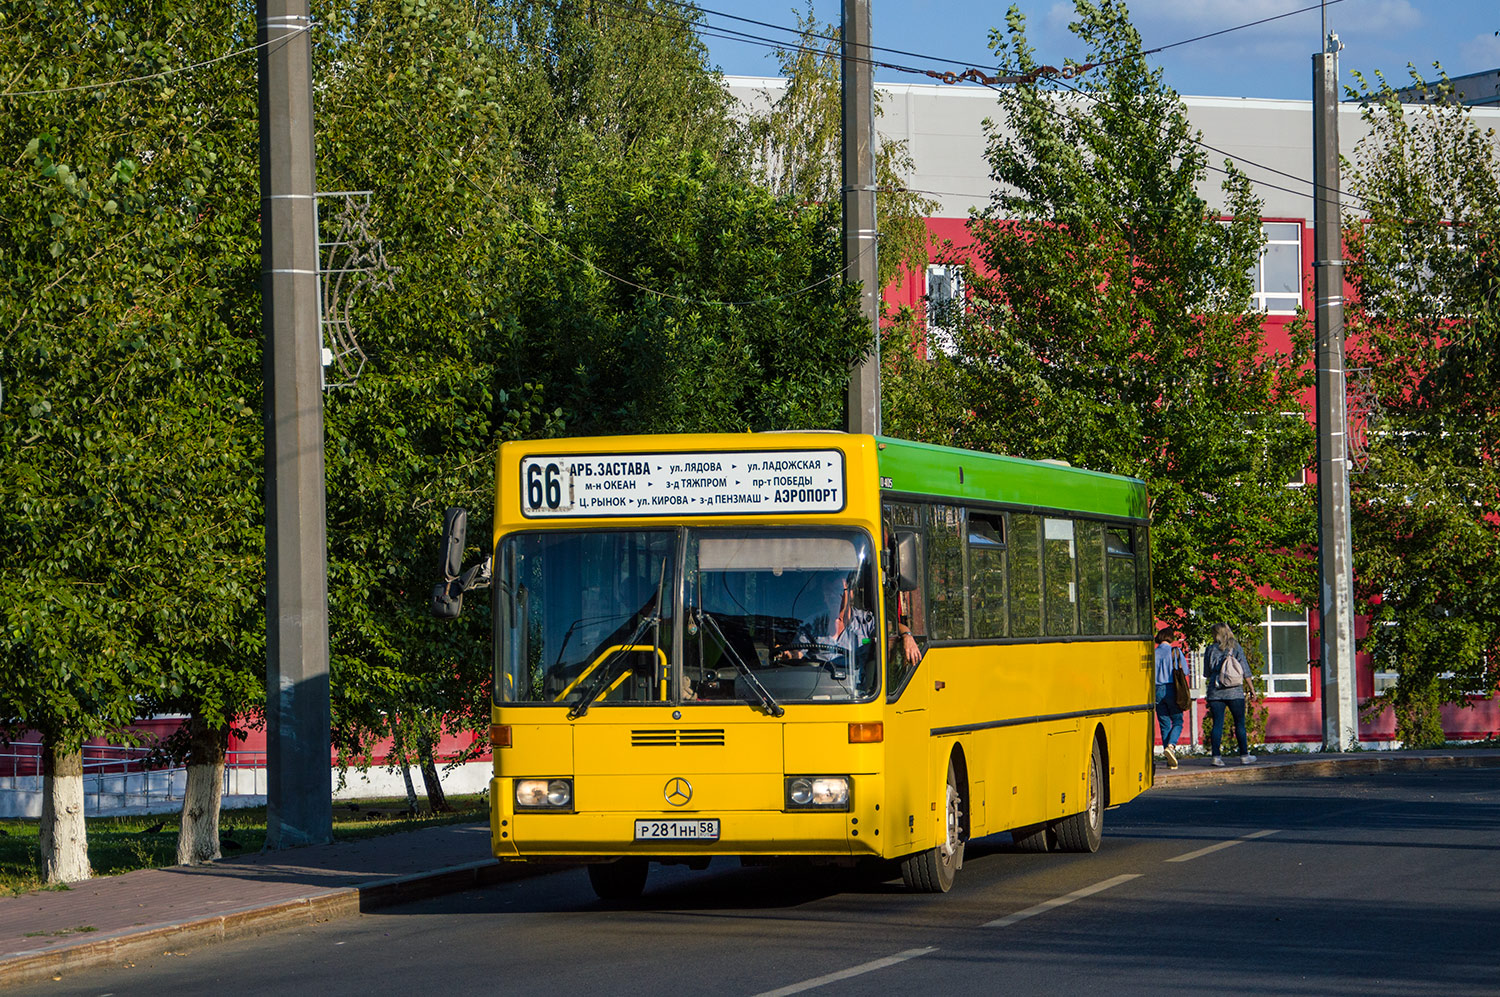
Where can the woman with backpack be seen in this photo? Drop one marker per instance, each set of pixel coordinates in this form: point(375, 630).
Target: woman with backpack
point(1226, 672)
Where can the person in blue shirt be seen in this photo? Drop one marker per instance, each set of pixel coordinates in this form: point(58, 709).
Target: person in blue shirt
point(1168, 713)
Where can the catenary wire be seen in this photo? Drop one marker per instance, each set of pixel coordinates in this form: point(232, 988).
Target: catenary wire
point(157, 76)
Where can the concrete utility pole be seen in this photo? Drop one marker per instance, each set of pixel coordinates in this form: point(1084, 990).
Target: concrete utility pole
point(1335, 561)
point(860, 262)
point(299, 803)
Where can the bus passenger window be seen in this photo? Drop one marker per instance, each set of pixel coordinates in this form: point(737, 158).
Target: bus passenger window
point(1061, 574)
point(945, 572)
point(986, 543)
point(1143, 613)
point(1091, 615)
point(1122, 581)
point(1025, 575)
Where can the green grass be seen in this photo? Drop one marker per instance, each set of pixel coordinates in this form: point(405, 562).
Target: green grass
point(124, 844)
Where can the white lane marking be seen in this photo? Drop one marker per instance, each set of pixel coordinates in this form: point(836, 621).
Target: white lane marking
point(1220, 846)
point(1046, 905)
point(844, 974)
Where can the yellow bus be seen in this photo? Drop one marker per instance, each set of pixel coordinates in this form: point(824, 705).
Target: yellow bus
point(824, 645)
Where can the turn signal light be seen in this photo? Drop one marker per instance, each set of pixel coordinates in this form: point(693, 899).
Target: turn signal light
point(867, 733)
point(499, 735)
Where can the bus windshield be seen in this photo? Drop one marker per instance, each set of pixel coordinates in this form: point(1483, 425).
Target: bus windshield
point(767, 616)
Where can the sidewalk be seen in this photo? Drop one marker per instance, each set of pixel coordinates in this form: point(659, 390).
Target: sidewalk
point(1197, 770)
point(114, 920)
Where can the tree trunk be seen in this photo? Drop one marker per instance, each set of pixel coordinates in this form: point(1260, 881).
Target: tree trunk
point(398, 748)
point(436, 801)
point(198, 834)
point(63, 852)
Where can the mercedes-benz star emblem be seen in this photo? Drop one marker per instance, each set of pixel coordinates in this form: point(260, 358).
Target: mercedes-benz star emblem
point(679, 791)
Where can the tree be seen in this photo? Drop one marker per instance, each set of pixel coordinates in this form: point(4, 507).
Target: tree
point(1110, 325)
point(796, 145)
point(573, 252)
point(129, 454)
point(1425, 324)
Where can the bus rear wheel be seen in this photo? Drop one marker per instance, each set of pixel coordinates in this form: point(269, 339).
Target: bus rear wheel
point(934, 870)
point(1082, 832)
point(622, 879)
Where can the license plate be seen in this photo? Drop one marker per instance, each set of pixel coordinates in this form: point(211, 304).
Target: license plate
point(677, 830)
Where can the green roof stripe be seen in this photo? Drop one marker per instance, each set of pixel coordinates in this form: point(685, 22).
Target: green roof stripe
point(925, 469)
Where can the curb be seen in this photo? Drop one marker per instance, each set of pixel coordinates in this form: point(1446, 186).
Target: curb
point(1321, 768)
point(329, 905)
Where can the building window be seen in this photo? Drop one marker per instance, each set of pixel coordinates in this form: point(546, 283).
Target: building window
point(945, 302)
point(1277, 277)
point(1285, 644)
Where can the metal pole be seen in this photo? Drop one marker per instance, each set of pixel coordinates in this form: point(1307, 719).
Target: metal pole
point(1335, 561)
point(860, 261)
point(299, 805)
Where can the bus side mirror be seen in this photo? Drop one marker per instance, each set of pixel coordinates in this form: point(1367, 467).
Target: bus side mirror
point(448, 594)
point(455, 530)
point(908, 562)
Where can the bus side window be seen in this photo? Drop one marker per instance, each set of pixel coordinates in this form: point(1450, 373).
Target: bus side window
point(1061, 574)
point(986, 551)
point(1143, 613)
point(1025, 575)
point(1091, 615)
point(1120, 555)
point(945, 573)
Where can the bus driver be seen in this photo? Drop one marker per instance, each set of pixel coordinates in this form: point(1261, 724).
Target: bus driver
point(836, 622)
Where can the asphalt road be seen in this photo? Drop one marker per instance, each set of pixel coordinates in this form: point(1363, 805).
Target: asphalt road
point(1380, 885)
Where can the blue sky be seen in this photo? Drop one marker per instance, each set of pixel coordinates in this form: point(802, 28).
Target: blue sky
point(1271, 60)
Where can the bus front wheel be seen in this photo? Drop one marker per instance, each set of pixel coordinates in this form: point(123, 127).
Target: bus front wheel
point(622, 879)
point(1083, 831)
point(934, 870)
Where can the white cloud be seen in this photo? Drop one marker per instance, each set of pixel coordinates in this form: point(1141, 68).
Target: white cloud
point(1480, 52)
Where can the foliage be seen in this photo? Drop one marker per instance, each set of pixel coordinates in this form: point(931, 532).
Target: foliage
point(577, 247)
point(1425, 323)
point(677, 298)
point(1110, 325)
point(797, 145)
point(131, 440)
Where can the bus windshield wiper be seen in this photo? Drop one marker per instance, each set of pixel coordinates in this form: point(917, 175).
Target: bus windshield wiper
point(605, 674)
point(766, 699)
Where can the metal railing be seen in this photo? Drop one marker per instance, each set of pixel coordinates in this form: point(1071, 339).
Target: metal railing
point(117, 777)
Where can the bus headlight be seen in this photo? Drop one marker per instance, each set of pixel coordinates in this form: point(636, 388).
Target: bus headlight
point(817, 792)
point(544, 794)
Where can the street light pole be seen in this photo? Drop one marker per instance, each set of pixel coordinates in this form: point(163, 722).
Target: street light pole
point(299, 803)
point(860, 262)
point(1335, 558)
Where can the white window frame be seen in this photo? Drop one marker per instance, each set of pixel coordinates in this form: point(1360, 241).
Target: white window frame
point(945, 296)
point(1260, 295)
point(1288, 672)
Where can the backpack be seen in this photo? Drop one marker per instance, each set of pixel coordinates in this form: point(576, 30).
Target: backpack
point(1230, 672)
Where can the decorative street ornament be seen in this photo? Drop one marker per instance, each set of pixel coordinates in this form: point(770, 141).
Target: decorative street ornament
point(351, 263)
point(1363, 415)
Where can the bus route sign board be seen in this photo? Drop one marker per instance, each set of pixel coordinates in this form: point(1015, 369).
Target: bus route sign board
point(732, 483)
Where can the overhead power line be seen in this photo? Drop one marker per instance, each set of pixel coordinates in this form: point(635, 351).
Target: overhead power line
point(279, 39)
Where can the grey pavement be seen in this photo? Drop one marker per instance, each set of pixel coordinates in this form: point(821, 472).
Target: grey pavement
point(115, 919)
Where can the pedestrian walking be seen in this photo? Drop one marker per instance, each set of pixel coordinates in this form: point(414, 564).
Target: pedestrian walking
point(1227, 674)
point(1170, 665)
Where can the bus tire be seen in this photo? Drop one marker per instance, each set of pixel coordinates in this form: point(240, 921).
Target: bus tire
point(934, 870)
point(1083, 831)
point(1035, 839)
point(622, 879)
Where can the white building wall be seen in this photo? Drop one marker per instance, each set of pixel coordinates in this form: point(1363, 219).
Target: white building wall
point(943, 126)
